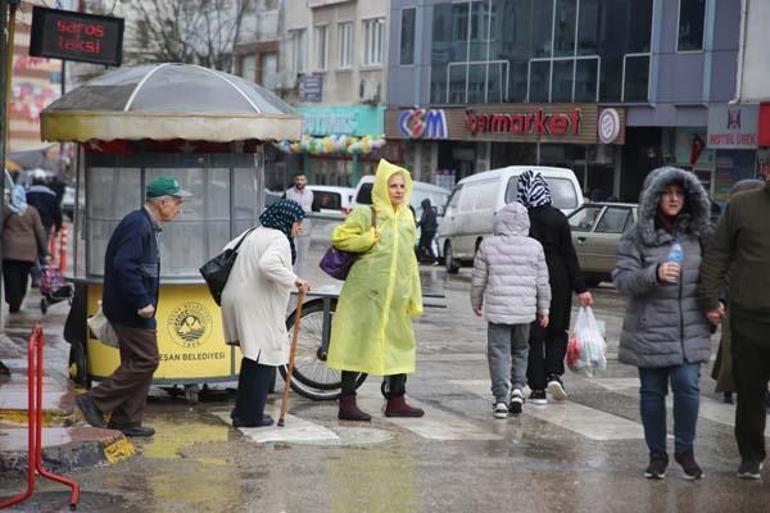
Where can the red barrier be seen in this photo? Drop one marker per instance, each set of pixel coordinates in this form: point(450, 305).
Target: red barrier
point(35, 426)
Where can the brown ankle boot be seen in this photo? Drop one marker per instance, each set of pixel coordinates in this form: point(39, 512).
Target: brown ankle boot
point(397, 407)
point(349, 410)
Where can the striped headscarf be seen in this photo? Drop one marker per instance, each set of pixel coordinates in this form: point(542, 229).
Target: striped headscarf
point(533, 190)
point(281, 216)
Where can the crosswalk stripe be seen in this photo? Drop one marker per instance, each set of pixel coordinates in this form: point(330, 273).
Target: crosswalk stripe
point(583, 420)
point(710, 409)
point(295, 430)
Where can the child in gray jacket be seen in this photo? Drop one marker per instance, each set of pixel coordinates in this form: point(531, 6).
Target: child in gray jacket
point(511, 274)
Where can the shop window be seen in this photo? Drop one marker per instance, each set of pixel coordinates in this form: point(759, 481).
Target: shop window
point(691, 20)
point(539, 81)
point(637, 73)
point(586, 78)
point(407, 35)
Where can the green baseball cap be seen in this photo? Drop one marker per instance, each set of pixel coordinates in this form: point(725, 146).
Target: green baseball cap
point(165, 186)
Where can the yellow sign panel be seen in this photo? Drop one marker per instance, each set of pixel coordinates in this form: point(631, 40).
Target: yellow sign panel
point(190, 337)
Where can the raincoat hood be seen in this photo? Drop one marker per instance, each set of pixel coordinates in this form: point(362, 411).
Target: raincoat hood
point(380, 196)
point(425, 203)
point(695, 215)
point(512, 219)
point(18, 200)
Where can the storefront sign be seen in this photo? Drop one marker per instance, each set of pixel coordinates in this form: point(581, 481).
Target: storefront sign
point(76, 36)
point(548, 123)
point(609, 126)
point(732, 127)
point(423, 124)
point(763, 130)
point(358, 120)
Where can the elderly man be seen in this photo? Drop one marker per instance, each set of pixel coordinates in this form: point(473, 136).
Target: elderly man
point(129, 301)
point(741, 246)
point(304, 196)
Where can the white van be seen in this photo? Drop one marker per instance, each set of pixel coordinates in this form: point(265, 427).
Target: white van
point(420, 190)
point(470, 212)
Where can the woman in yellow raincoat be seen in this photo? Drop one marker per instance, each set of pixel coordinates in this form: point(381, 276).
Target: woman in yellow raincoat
point(372, 328)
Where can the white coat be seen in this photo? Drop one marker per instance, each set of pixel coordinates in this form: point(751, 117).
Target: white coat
point(256, 297)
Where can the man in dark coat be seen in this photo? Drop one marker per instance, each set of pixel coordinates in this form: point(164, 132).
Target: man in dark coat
point(129, 301)
point(44, 199)
point(548, 346)
point(428, 225)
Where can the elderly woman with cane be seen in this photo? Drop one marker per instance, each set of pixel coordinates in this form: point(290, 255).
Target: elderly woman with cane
point(372, 328)
point(254, 303)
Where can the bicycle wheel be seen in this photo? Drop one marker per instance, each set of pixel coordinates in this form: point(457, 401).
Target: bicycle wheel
point(312, 378)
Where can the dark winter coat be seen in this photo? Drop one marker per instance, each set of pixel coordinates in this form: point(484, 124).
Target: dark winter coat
point(549, 226)
point(663, 325)
point(132, 270)
point(428, 222)
point(47, 204)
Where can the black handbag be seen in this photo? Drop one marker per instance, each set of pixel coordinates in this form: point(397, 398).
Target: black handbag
point(217, 270)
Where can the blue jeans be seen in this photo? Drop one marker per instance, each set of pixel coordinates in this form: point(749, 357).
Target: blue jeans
point(654, 388)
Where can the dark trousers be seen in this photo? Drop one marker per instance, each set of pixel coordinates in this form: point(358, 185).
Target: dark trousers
point(396, 384)
point(546, 355)
point(751, 371)
point(425, 246)
point(15, 276)
point(253, 385)
point(125, 393)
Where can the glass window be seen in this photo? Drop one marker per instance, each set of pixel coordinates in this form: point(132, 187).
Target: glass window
point(249, 67)
point(479, 30)
point(407, 35)
point(457, 82)
point(298, 50)
point(637, 72)
point(320, 46)
point(269, 70)
point(326, 200)
point(345, 35)
point(542, 22)
point(374, 41)
point(454, 199)
point(562, 81)
point(583, 219)
point(364, 196)
point(564, 28)
point(485, 195)
point(614, 220)
point(539, 81)
point(588, 27)
point(477, 83)
point(691, 18)
point(586, 76)
point(497, 82)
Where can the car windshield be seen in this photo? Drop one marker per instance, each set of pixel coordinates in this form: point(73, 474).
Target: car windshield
point(364, 196)
point(562, 192)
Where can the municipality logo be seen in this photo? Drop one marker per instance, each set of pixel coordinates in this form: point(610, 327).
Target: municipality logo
point(189, 324)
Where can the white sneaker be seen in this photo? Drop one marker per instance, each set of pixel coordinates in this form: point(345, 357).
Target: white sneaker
point(556, 389)
point(500, 410)
point(517, 401)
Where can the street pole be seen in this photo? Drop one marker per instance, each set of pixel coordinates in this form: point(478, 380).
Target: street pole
point(3, 124)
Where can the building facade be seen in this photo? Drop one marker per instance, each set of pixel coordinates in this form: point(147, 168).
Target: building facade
point(328, 59)
point(608, 88)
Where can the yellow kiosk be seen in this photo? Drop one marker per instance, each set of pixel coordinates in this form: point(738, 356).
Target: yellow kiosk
point(207, 129)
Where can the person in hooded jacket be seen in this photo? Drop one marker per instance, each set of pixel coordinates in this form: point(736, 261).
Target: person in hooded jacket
point(254, 303)
point(24, 242)
point(428, 225)
point(372, 326)
point(510, 276)
point(548, 345)
point(665, 334)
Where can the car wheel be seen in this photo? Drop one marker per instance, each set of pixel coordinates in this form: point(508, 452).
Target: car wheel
point(452, 266)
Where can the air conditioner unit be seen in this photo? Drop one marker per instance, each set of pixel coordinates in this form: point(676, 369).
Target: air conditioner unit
point(369, 91)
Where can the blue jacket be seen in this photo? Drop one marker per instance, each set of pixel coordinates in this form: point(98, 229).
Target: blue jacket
point(132, 270)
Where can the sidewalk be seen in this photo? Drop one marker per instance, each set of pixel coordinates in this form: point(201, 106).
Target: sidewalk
point(68, 442)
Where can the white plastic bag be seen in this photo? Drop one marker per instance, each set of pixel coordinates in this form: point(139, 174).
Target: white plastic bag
point(586, 351)
point(102, 329)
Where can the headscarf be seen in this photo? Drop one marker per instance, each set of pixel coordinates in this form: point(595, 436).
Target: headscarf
point(18, 200)
point(533, 190)
point(281, 216)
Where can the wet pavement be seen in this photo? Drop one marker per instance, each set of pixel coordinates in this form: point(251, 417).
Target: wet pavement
point(586, 454)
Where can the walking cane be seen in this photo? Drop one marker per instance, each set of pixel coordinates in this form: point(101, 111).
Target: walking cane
point(292, 351)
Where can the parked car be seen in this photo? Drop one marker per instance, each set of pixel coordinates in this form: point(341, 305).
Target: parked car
point(329, 199)
point(471, 209)
point(596, 232)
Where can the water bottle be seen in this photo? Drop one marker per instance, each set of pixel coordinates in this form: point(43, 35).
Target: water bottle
point(676, 255)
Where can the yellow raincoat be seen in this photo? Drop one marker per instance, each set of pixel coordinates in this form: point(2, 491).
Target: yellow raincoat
point(372, 328)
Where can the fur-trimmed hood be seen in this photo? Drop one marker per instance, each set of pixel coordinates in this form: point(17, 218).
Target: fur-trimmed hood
point(695, 215)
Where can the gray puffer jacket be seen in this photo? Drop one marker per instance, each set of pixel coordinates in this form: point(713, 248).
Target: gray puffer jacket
point(663, 325)
point(510, 267)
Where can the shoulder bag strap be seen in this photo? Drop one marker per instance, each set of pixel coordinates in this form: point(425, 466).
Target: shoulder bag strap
point(244, 238)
